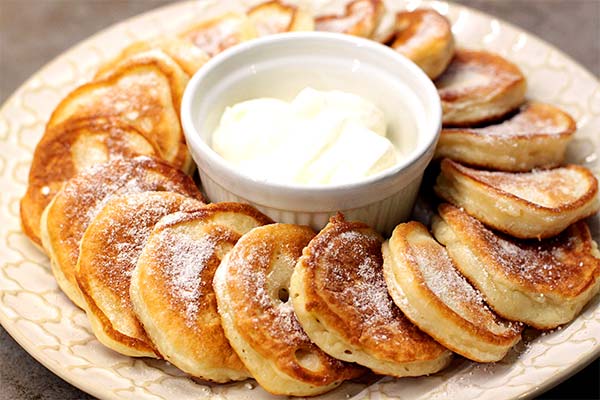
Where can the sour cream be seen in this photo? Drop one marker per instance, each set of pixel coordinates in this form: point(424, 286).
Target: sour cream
point(320, 137)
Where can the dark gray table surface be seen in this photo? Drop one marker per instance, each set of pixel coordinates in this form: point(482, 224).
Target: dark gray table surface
point(32, 32)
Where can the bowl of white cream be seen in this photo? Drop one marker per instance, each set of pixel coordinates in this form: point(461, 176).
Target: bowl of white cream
point(305, 125)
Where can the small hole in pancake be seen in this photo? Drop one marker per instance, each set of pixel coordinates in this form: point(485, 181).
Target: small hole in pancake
point(308, 359)
point(347, 352)
point(283, 294)
point(161, 188)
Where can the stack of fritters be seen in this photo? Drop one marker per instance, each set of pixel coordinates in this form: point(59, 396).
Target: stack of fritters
point(70, 212)
point(543, 283)
point(172, 292)
point(425, 284)
point(108, 254)
point(341, 299)
point(130, 109)
point(515, 229)
point(252, 286)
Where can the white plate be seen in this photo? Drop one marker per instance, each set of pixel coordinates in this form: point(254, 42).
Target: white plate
point(56, 333)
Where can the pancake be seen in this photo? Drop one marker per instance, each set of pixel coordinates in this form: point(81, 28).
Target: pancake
point(535, 137)
point(386, 27)
point(361, 18)
point(144, 91)
point(479, 87)
point(67, 149)
point(108, 254)
point(536, 204)
point(341, 300)
point(189, 57)
point(424, 36)
point(542, 283)
point(252, 288)
point(426, 285)
point(215, 35)
point(172, 293)
point(276, 17)
point(66, 218)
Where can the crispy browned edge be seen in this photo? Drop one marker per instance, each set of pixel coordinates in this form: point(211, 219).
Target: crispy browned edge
point(338, 224)
point(165, 170)
point(416, 17)
point(107, 326)
point(211, 208)
point(474, 132)
point(134, 343)
point(182, 217)
point(449, 212)
point(377, 6)
point(285, 6)
point(113, 77)
point(429, 297)
point(60, 135)
point(459, 169)
point(333, 370)
point(493, 60)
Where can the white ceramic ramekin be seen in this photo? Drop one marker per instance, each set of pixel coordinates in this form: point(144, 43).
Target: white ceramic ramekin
point(280, 66)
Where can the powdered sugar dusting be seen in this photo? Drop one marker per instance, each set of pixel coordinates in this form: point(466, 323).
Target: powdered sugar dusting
point(563, 263)
point(460, 79)
point(111, 246)
point(184, 259)
point(268, 312)
point(285, 321)
point(418, 28)
point(549, 188)
point(475, 72)
point(358, 13)
point(86, 194)
point(350, 279)
point(360, 274)
point(453, 289)
point(545, 263)
point(119, 233)
point(260, 268)
point(523, 124)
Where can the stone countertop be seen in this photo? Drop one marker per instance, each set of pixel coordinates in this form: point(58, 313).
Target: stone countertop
point(33, 32)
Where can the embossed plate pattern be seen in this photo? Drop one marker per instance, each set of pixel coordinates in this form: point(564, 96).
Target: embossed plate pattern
point(49, 327)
